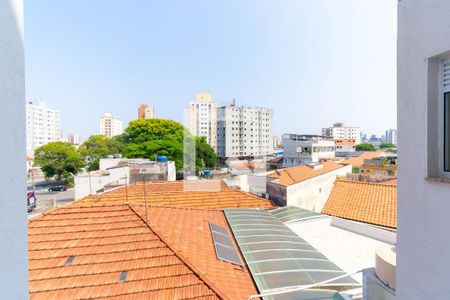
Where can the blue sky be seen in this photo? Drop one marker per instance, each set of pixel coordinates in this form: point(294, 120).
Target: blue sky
point(313, 61)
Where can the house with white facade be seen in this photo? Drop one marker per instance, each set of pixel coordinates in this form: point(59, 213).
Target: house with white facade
point(303, 149)
point(423, 248)
point(244, 131)
point(306, 186)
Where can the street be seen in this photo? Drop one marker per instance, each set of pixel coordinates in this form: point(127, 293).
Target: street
point(45, 199)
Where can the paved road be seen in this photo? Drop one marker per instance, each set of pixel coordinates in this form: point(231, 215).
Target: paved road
point(45, 199)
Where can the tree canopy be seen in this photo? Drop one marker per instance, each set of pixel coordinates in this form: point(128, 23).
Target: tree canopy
point(146, 138)
point(58, 159)
point(365, 147)
point(97, 147)
point(388, 146)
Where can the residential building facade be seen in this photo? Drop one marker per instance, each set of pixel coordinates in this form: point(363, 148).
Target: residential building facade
point(244, 131)
point(43, 125)
point(423, 147)
point(340, 131)
point(307, 187)
point(146, 112)
point(306, 149)
point(344, 146)
point(391, 136)
point(13, 216)
point(110, 125)
point(202, 118)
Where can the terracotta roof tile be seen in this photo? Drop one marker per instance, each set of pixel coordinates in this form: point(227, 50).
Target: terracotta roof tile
point(105, 240)
point(297, 174)
point(373, 203)
point(187, 231)
point(202, 194)
point(358, 161)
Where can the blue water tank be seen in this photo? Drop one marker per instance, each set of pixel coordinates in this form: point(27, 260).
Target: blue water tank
point(161, 158)
point(207, 173)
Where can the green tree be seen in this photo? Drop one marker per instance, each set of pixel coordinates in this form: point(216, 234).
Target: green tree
point(146, 138)
point(97, 147)
point(205, 155)
point(365, 147)
point(388, 146)
point(58, 159)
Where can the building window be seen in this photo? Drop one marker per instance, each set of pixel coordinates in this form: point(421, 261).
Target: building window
point(447, 131)
point(445, 106)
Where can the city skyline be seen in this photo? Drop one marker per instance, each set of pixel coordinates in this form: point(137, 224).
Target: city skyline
point(264, 58)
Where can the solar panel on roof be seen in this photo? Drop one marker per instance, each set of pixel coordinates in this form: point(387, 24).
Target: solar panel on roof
point(279, 258)
point(223, 244)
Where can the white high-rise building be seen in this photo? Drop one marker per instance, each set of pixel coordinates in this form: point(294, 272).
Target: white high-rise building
point(202, 118)
point(146, 112)
point(110, 125)
point(244, 131)
point(391, 136)
point(43, 125)
point(340, 132)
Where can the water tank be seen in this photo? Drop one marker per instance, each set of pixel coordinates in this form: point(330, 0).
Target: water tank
point(207, 173)
point(161, 158)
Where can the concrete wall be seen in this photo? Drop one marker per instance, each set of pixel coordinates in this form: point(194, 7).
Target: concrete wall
point(423, 251)
point(313, 193)
point(84, 184)
point(13, 215)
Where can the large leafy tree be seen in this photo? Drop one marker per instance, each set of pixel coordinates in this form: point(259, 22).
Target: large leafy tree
point(146, 138)
point(365, 147)
point(97, 147)
point(206, 157)
point(58, 159)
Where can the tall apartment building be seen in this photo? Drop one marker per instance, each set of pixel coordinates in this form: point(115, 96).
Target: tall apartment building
point(202, 118)
point(391, 136)
point(339, 132)
point(43, 125)
point(146, 112)
point(110, 125)
point(244, 131)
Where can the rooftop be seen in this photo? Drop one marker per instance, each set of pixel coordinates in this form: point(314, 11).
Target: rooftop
point(357, 159)
point(201, 194)
point(373, 203)
point(297, 174)
point(103, 251)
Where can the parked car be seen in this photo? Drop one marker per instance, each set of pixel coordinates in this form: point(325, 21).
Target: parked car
point(57, 188)
point(31, 200)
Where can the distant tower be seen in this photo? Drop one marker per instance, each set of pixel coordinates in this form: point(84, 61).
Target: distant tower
point(146, 112)
point(203, 118)
point(110, 125)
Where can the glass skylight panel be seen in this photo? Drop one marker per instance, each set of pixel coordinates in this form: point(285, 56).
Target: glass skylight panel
point(291, 213)
point(223, 244)
point(278, 258)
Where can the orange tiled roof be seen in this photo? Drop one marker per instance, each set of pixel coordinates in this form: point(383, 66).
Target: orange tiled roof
point(373, 203)
point(187, 230)
point(297, 174)
point(105, 240)
point(202, 194)
point(358, 161)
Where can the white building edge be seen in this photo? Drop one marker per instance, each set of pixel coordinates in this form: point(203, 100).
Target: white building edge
point(423, 247)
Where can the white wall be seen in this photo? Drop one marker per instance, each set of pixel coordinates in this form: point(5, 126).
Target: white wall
point(423, 251)
point(313, 193)
point(13, 216)
point(84, 184)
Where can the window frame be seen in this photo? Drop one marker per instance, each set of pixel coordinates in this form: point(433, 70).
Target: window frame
point(443, 93)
